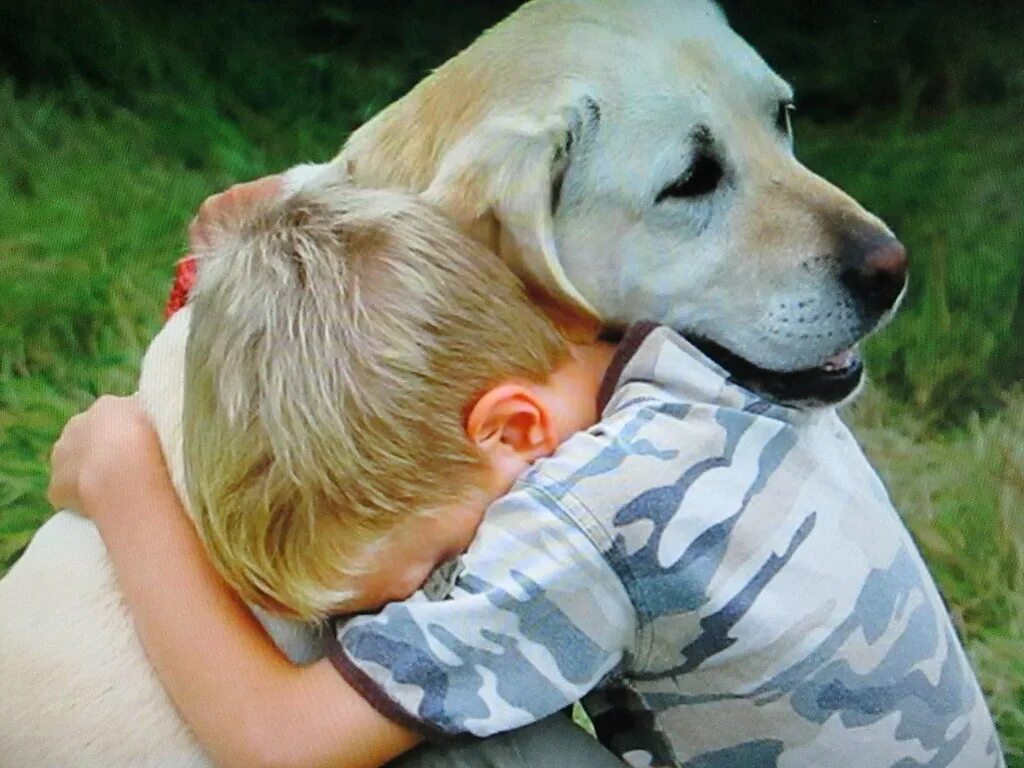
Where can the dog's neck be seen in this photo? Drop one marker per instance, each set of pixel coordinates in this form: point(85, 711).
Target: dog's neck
point(162, 392)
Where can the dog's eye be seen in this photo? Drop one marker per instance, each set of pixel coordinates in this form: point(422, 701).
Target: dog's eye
point(702, 178)
point(784, 117)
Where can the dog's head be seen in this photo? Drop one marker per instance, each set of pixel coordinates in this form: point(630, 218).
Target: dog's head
point(633, 159)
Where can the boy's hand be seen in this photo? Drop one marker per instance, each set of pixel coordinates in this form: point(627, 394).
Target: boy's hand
point(105, 458)
point(246, 703)
point(229, 205)
point(215, 211)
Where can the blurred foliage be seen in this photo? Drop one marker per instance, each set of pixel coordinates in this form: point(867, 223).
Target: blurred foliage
point(117, 118)
point(917, 58)
point(320, 63)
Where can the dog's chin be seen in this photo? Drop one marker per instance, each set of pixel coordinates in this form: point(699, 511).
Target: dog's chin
point(837, 379)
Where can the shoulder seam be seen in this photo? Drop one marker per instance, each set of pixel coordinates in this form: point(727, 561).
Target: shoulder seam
point(619, 566)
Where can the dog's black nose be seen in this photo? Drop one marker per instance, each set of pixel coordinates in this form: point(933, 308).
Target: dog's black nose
point(877, 274)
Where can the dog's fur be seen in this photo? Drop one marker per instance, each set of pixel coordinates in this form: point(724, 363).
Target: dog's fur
point(568, 139)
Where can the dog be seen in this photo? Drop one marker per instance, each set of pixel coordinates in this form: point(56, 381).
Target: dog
point(631, 160)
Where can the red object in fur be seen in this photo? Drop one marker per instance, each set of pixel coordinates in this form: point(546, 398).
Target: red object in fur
point(184, 279)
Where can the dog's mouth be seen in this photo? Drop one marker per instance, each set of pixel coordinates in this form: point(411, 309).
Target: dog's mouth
point(831, 382)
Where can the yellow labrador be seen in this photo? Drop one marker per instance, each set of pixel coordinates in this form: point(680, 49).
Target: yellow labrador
point(631, 159)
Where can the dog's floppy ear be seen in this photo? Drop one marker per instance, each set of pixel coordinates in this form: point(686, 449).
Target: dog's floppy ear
point(501, 183)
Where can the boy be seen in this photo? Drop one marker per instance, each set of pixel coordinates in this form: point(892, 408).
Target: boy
point(726, 573)
point(311, 305)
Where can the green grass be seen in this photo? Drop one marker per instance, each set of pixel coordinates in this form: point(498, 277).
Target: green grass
point(104, 157)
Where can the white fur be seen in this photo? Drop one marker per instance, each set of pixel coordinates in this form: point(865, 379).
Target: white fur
point(76, 689)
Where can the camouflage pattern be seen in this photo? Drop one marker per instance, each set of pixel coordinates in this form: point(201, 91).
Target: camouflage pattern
point(724, 579)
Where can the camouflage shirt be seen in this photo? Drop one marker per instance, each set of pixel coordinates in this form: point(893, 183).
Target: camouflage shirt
point(724, 579)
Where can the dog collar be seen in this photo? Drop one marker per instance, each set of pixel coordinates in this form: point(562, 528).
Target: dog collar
point(184, 279)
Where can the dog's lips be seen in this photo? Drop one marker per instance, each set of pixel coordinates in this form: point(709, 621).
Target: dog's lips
point(833, 381)
point(841, 361)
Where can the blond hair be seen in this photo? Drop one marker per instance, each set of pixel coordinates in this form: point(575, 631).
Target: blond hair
point(338, 337)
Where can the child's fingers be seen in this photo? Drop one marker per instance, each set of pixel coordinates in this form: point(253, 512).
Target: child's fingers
point(230, 204)
point(92, 445)
point(62, 489)
point(244, 195)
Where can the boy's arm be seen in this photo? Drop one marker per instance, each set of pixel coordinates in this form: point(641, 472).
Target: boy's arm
point(247, 704)
point(536, 619)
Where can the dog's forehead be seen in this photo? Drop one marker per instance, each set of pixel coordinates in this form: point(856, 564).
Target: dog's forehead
point(727, 62)
point(651, 58)
point(669, 59)
point(689, 87)
point(622, 14)
point(603, 37)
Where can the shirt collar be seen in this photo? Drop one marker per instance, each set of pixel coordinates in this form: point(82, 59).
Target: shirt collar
point(654, 353)
point(625, 351)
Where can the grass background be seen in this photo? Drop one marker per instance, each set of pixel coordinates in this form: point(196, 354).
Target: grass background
point(117, 118)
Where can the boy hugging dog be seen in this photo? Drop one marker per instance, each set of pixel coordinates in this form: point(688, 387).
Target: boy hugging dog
point(721, 578)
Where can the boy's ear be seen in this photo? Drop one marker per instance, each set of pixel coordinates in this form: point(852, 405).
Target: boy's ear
point(511, 420)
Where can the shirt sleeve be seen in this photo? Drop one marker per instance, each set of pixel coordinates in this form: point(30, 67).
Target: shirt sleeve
point(536, 619)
